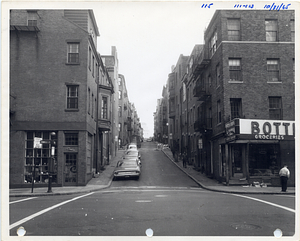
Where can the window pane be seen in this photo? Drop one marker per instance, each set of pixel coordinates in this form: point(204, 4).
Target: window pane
point(271, 36)
point(73, 48)
point(234, 62)
point(73, 53)
point(271, 25)
point(275, 109)
point(71, 139)
point(235, 75)
point(235, 105)
point(72, 91)
point(233, 24)
point(73, 58)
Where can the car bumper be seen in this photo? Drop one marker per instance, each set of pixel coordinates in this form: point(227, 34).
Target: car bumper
point(126, 174)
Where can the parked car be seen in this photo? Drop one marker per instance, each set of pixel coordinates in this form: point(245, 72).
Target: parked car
point(127, 169)
point(132, 146)
point(132, 158)
point(132, 153)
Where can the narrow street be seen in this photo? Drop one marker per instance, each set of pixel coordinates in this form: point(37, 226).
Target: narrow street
point(163, 199)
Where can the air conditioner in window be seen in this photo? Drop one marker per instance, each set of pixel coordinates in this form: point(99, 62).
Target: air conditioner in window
point(274, 79)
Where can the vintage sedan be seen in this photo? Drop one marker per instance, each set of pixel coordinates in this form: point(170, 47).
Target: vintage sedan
point(132, 146)
point(132, 153)
point(132, 158)
point(127, 168)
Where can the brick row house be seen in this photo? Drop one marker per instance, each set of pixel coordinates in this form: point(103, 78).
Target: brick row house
point(237, 98)
point(62, 94)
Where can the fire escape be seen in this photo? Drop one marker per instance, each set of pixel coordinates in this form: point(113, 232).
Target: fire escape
point(203, 124)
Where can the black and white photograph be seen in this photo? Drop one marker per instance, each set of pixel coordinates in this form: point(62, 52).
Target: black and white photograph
point(130, 120)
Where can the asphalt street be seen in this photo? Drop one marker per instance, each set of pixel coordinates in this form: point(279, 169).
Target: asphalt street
point(163, 199)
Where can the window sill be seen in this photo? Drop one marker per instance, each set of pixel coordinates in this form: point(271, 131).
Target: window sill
point(71, 110)
point(72, 63)
point(235, 82)
point(274, 82)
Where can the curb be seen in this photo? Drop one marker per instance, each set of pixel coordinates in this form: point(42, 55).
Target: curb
point(62, 193)
point(224, 191)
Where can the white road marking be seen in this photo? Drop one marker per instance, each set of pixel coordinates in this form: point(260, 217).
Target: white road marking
point(272, 204)
point(143, 201)
point(22, 200)
point(45, 210)
point(161, 195)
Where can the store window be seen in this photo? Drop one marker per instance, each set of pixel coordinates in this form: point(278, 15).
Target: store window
point(37, 157)
point(264, 159)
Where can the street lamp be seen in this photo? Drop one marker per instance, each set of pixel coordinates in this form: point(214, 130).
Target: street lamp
point(51, 161)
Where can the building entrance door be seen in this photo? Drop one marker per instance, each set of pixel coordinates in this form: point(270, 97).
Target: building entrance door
point(70, 169)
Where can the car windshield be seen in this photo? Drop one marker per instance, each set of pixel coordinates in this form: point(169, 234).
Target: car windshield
point(131, 152)
point(126, 164)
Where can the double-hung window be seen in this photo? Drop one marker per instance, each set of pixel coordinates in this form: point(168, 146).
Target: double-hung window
point(235, 70)
point(236, 108)
point(292, 25)
point(219, 114)
point(218, 75)
point(273, 70)
point(73, 53)
point(32, 18)
point(104, 108)
point(271, 30)
point(72, 97)
point(233, 28)
point(213, 43)
point(275, 108)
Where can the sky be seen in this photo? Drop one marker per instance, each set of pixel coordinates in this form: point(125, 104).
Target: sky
point(149, 37)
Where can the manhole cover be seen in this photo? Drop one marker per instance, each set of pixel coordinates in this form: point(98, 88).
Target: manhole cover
point(244, 226)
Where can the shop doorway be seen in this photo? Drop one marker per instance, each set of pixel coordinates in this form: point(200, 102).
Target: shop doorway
point(70, 169)
point(236, 156)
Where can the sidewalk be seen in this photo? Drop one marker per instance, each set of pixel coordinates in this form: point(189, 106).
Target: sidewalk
point(105, 178)
point(101, 182)
point(213, 185)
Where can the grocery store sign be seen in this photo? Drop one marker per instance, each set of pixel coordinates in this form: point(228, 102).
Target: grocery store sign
point(260, 129)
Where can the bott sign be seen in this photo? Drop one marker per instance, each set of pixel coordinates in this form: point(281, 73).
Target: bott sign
point(267, 129)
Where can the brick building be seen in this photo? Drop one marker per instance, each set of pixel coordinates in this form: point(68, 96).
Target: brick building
point(245, 83)
point(232, 101)
point(54, 88)
point(175, 95)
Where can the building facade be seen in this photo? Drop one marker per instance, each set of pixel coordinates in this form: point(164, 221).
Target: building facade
point(246, 86)
point(63, 99)
point(53, 89)
point(233, 110)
